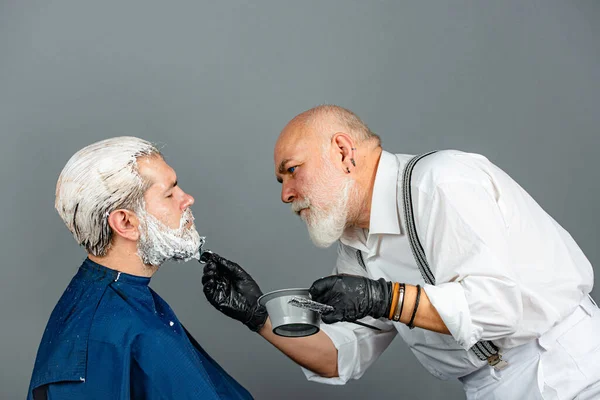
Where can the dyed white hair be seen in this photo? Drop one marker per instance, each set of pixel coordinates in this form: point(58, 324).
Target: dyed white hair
point(97, 180)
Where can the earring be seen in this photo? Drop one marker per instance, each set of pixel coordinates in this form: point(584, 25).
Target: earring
point(353, 162)
point(347, 170)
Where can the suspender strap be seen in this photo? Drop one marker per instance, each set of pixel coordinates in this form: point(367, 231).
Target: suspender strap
point(415, 244)
point(485, 351)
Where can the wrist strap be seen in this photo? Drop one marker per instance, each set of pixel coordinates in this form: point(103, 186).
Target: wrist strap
point(411, 324)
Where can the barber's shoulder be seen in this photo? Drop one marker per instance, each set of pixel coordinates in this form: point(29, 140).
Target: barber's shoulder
point(446, 166)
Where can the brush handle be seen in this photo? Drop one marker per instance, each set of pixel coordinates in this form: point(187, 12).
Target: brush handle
point(366, 325)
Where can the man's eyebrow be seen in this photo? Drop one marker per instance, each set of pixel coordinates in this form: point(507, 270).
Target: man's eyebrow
point(281, 168)
point(282, 165)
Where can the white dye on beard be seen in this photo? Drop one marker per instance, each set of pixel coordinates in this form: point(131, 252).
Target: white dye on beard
point(159, 243)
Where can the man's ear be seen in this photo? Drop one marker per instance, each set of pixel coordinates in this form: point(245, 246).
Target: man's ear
point(125, 224)
point(344, 148)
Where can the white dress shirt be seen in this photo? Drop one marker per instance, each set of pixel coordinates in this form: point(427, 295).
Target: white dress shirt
point(505, 270)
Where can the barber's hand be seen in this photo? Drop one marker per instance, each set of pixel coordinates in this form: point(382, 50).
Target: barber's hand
point(232, 291)
point(352, 297)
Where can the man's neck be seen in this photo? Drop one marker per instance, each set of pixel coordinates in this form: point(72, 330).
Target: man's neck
point(366, 182)
point(126, 261)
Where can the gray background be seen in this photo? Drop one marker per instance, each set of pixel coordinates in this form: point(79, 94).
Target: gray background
point(214, 82)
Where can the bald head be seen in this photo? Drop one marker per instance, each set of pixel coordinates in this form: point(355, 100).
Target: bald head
point(327, 130)
point(325, 120)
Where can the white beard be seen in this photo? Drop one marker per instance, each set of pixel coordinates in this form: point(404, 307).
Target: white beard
point(325, 227)
point(159, 243)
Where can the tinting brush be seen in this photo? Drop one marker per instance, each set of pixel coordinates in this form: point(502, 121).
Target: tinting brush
point(201, 251)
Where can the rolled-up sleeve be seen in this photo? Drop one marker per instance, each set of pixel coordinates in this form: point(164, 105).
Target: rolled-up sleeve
point(358, 347)
point(464, 236)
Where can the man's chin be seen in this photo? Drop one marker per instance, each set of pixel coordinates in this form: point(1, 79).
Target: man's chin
point(322, 242)
point(322, 245)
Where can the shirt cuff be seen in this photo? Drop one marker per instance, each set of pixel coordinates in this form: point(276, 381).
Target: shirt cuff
point(358, 347)
point(345, 342)
point(451, 304)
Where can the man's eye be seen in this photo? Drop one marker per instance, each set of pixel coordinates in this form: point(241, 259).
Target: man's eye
point(291, 169)
point(169, 196)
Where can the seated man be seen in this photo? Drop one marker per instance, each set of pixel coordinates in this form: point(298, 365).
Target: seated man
point(111, 336)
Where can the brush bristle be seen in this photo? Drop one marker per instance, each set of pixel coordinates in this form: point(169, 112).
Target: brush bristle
point(309, 304)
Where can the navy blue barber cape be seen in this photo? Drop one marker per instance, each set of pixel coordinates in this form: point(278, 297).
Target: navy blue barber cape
point(112, 337)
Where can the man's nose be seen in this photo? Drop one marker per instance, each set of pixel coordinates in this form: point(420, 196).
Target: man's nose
point(288, 194)
point(188, 200)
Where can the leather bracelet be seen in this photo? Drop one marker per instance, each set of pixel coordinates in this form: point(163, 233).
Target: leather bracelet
point(400, 305)
point(394, 303)
point(412, 319)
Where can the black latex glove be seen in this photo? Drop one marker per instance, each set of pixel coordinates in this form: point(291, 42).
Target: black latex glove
point(232, 291)
point(352, 297)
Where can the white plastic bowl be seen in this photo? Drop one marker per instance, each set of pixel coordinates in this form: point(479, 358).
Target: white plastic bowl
point(289, 320)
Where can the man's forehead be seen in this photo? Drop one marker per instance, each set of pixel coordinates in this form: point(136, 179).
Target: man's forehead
point(294, 141)
point(156, 170)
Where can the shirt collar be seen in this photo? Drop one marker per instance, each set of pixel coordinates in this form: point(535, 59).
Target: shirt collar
point(384, 216)
point(93, 270)
point(384, 202)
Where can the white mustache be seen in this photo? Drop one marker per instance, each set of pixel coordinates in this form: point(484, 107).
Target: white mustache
point(300, 205)
point(186, 218)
